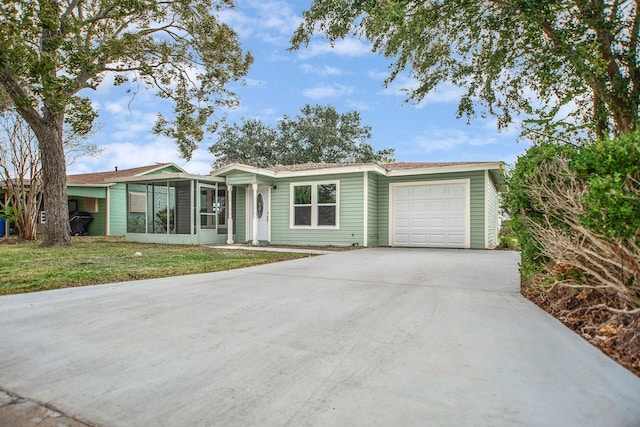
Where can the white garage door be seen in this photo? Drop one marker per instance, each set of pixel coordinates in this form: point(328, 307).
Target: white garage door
point(432, 215)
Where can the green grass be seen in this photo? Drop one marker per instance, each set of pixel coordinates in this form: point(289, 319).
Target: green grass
point(27, 267)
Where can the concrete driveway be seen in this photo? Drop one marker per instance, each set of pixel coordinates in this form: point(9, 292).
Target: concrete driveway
point(388, 337)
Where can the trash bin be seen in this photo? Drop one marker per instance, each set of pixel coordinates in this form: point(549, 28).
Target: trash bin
point(3, 226)
point(79, 223)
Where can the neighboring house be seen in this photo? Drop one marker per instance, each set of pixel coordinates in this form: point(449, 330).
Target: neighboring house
point(106, 200)
point(398, 204)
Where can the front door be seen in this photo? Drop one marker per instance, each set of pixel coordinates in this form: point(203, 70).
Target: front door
point(262, 212)
point(208, 209)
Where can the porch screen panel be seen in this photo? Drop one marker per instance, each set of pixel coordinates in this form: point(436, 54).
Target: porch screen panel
point(136, 208)
point(181, 204)
point(159, 213)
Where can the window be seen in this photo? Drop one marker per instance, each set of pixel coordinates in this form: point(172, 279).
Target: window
point(327, 204)
point(314, 205)
point(137, 202)
point(90, 204)
point(302, 205)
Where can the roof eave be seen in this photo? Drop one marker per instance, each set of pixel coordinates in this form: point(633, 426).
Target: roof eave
point(244, 168)
point(169, 176)
point(331, 171)
point(105, 185)
point(447, 169)
point(160, 167)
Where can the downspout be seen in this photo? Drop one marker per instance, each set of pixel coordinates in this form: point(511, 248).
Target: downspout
point(365, 215)
point(486, 209)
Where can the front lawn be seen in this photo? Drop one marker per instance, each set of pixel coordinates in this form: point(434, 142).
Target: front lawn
point(27, 267)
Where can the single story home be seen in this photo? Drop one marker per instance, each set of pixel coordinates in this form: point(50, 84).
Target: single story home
point(105, 200)
point(96, 195)
point(449, 205)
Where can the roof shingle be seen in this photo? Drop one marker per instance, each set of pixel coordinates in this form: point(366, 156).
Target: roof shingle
point(386, 166)
point(105, 177)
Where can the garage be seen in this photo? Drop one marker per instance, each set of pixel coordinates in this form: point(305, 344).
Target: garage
point(430, 214)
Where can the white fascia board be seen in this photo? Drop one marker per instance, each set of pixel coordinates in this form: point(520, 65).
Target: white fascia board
point(106, 185)
point(331, 171)
point(169, 176)
point(446, 169)
point(244, 168)
point(162, 167)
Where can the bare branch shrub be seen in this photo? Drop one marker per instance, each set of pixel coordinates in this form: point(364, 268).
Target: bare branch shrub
point(21, 174)
point(583, 257)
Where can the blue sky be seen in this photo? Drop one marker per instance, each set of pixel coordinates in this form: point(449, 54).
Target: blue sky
point(347, 76)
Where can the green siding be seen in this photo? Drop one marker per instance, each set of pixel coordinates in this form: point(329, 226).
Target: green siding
point(477, 202)
point(118, 210)
point(243, 178)
point(492, 213)
point(241, 212)
point(372, 209)
point(167, 169)
point(96, 192)
point(351, 207)
point(98, 226)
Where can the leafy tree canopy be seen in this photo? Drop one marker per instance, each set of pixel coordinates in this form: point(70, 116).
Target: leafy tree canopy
point(52, 50)
point(510, 56)
point(319, 134)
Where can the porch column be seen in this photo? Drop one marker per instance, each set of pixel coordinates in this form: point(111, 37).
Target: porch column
point(255, 214)
point(230, 214)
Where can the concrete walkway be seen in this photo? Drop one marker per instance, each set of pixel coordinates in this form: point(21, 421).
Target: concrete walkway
point(388, 337)
point(272, 249)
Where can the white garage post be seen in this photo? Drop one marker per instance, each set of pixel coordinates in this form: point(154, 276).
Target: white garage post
point(255, 214)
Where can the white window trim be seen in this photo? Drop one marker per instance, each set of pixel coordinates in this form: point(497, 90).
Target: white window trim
point(465, 181)
point(314, 206)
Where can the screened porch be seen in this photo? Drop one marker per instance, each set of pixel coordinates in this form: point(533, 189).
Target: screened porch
point(179, 208)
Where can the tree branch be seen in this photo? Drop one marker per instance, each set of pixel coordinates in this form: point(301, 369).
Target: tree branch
point(18, 96)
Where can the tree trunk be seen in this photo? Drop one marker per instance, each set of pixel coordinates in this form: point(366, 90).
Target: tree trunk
point(54, 169)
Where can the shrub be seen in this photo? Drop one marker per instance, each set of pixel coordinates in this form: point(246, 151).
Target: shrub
point(579, 208)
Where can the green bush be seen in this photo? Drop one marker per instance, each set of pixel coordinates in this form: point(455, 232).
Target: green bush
point(507, 239)
point(578, 208)
point(611, 171)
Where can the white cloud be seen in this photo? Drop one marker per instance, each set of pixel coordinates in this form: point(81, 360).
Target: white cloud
point(446, 140)
point(127, 139)
point(253, 82)
point(114, 107)
point(200, 163)
point(444, 93)
point(358, 105)
point(326, 70)
point(512, 130)
point(350, 47)
point(132, 154)
point(272, 22)
point(327, 91)
point(378, 75)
